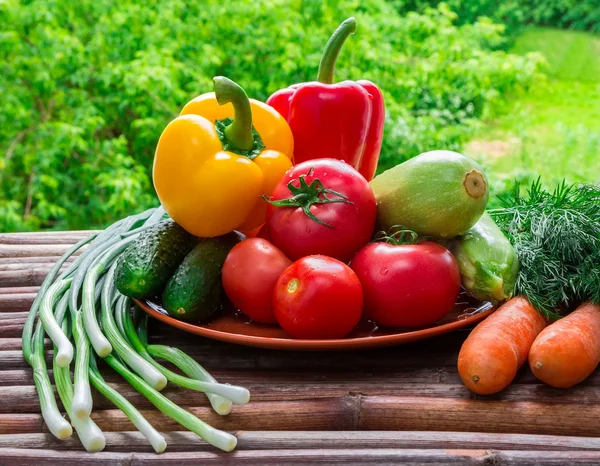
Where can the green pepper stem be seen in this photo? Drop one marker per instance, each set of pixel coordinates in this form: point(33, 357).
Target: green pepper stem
point(332, 50)
point(240, 131)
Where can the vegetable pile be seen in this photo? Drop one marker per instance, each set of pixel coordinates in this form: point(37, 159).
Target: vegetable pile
point(556, 238)
point(275, 210)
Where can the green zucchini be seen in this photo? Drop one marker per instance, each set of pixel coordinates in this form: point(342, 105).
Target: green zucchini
point(439, 193)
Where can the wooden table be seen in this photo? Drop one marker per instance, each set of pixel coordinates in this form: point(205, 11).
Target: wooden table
point(402, 405)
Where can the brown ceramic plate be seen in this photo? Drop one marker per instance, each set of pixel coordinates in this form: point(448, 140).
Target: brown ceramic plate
point(233, 327)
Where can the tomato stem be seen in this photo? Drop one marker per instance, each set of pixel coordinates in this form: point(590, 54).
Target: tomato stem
point(306, 195)
point(398, 235)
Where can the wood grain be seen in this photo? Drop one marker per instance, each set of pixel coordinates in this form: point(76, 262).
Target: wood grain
point(131, 441)
point(33, 250)
point(16, 302)
point(399, 413)
point(31, 276)
point(319, 456)
point(29, 265)
point(47, 237)
point(333, 414)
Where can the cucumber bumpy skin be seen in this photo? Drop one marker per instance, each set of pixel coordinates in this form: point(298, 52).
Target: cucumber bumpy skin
point(195, 290)
point(146, 266)
point(439, 193)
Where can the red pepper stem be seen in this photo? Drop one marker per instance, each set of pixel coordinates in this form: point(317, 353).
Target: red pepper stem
point(239, 132)
point(332, 50)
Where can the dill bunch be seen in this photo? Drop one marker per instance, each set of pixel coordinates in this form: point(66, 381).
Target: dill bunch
point(556, 236)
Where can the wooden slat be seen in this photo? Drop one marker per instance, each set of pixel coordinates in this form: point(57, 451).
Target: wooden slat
point(397, 413)
point(13, 359)
point(31, 250)
point(47, 237)
point(369, 413)
point(18, 290)
point(15, 267)
point(16, 302)
point(330, 414)
point(11, 328)
point(9, 344)
point(322, 456)
point(30, 260)
point(15, 377)
point(31, 276)
point(131, 441)
point(17, 395)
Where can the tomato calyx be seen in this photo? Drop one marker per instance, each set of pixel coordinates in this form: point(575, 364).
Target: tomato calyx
point(398, 235)
point(306, 195)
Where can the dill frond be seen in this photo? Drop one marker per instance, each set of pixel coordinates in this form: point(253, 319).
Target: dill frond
point(556, 236)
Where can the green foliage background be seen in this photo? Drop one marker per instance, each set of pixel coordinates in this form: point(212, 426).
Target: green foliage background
point(88, 86)
point(582, 15)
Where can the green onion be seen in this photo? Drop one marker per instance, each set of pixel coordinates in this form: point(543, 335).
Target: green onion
point(89, 433)
point(157, 441)
point(215, 437)
point(148, 372)
point(238, 395)
point(82, 399)
point(59, 427)
point(64, 353)
point(86, 284)
point(193, 370)
point(188, 365)
point(97, 268)
point(104, 241)
point(30, 322)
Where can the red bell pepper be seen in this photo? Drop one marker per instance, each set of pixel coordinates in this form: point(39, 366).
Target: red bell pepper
point(334, 120)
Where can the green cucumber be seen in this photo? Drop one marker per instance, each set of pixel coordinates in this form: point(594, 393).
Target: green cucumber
point(439, 193)
point(195, 291)
point(148, 263)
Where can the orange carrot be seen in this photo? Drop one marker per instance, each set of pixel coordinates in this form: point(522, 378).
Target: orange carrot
point(567, 351)
point(491, 355)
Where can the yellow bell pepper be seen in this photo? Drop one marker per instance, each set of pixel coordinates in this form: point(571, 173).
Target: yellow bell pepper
point(214, 161)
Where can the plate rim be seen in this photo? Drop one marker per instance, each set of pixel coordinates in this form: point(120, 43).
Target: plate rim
point(315, 345)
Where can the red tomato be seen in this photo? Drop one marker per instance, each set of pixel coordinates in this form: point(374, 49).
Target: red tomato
point(318, 297)
point(249, 274)
point(340, 202)
point(407, 285)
